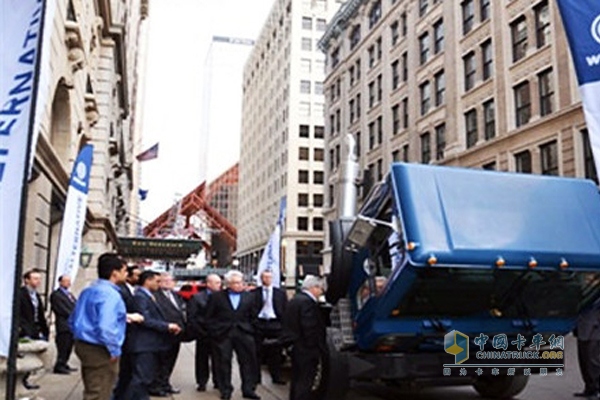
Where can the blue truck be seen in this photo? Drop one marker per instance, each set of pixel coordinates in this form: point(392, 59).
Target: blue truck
point(440, 261)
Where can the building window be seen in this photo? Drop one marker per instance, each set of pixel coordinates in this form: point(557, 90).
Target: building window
point(471, 127)
point(489, 119)
point(588, 157)
point(302, 223)
point(518, 31)
point(542, 24)
point(304, 109)
point(425, 91)
point(371, 51)
point(357, 68)
point(440, 141)
point(486, 59)
point(423, 5)
point(371, 135)
point(394, 32)
point(305, 66)
point(440, 88)
point(379, 129)
point(484, 6)
point(469, 66)
point(438, 36)
point(317, 224)
point(396, 119)
point(404, 66)
point(379, 50)
point(424, 48)
point(379, 169)
point(307, 23)
point(331, 196)
point(318, 87)
point(335, 57)
point(546, 89)
point(358, 105)
point(549, 158)
point(302, 199)
point(405, 153)
point(303, 131)
point(396, 155)
point(405, 113)
point(395, 75)
point(379, 88)
point(303, 153)
point(318, 177)
point(351, 109)
point(371, 94)
point(523, 162)
point(425, 148)
point(375, 13)
point(522, 103)
point(354, 36)
point(306, 44)
point(321, 25)
point(358, 144)
point(468, 16)
point(318, 154)
point(317, 200)
point(331, 160)
point(319, 132)
point(302, 176)
point(403, 24)
point(304, 86)
point(491, 166)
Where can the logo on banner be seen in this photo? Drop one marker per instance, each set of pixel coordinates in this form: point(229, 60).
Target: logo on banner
point(596, 29)
point(80, 173)
point(457, 344)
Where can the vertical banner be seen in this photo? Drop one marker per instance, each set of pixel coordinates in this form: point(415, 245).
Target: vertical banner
point(581, 19)
point(270, 259)
point(69, 247)
point(21, 22)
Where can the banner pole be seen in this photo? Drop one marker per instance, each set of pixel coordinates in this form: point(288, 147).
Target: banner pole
point(11, 362)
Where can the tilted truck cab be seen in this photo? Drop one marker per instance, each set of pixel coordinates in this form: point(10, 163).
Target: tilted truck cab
point(481, 253)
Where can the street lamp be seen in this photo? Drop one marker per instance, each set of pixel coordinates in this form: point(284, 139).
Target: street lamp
point(85, 257)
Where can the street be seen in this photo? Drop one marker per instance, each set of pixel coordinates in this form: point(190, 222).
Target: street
point(61, 387)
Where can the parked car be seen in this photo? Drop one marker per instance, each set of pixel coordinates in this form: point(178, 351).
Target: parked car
point(188, 289)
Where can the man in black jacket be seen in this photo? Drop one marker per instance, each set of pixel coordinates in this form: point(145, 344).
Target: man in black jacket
point(271, 303)
point(172, 307)
point(305, 329)
point(205, 349)
point(230, 316)
point(148, 338)
point(32, 321)
point(62, 302)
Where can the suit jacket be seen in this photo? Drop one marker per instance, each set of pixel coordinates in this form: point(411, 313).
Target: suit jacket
point(27, 325)
point(62, 307)
point(588, 322)
point(196, 315)
point(128, 298)
point(171, 312)
point(221, 318)
point(303, 324)
point(279, 301)
point(152, 335)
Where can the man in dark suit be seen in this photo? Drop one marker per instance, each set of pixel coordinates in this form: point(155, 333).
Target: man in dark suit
point(127, 290)
point(271, 301)
point(148, 338)
point(62, 302)
point(32, 321)
point(230, 316)
point(172, 307)
point(588, 346)
point(205, 350)
point(304, 329)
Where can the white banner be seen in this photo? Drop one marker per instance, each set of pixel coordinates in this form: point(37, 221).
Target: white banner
point(69, 248)
point(270, 259)
point(20, 22)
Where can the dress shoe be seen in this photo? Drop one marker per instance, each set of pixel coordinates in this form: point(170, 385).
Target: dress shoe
point(226, 396)
point(201, 388)
point(30, 386)
point(158, 393)
point(62, 371)
point(173, 390)
point(279, 382)
point(251, 396)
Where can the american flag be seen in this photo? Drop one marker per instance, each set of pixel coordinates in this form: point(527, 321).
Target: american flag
point(149, 154)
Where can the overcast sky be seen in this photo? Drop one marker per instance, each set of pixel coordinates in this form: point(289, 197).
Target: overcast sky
point(179, 36)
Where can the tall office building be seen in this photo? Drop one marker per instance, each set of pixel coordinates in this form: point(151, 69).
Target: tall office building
point(282, 137)
point(488, 85)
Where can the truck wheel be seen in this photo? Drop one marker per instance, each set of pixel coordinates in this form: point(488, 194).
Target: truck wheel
point(334, 377)
point(338, 279)
point(500, 387)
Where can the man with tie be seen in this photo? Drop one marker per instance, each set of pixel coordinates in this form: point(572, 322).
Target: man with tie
point(205, 349)
point(148, 339)
point(62, 303)
point(230, 315)
point(271, 301)
point(172, 307)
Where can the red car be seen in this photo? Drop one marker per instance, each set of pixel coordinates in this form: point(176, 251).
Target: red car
point(187, 290)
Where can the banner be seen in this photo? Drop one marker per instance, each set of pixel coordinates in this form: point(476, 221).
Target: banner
point(582, 25)
point(149, 154)
point(20, 28)
point(69, 247)
point(270, 259)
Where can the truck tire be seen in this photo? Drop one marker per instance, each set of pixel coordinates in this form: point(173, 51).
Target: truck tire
point(334, 377)
point(338, 279)
point(500, 387)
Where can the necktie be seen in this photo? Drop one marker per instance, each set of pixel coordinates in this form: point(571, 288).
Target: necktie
point(172, 298)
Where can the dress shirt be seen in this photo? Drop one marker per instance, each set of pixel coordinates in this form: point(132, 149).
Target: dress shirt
point(148, 292)
point(171, 297)
point(234, 297)
point(34, 301)
point(100, 316)
point(130, 287)
point(67, 293)
point(267, 311)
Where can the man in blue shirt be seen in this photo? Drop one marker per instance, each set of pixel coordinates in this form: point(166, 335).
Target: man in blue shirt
point(98, 324)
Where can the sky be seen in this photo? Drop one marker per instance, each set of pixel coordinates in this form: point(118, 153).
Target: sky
point(179, 35)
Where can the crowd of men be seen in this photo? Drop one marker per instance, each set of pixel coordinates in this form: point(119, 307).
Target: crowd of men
point(127, 328)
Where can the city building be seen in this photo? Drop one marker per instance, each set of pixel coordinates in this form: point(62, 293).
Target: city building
point(282, 148)
point(93, 90)
point(480, 83)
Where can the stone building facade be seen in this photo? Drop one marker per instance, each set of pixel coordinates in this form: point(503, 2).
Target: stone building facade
point(92, 95)
point(478, 83)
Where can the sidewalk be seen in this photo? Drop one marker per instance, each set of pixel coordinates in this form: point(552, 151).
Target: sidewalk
point(70, 387)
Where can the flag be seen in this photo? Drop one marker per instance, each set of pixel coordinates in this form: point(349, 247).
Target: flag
point(69, 245)
point(20, 41)
point(143, 194)
point(270, 259)
point(149, 154)
point(581, 20)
